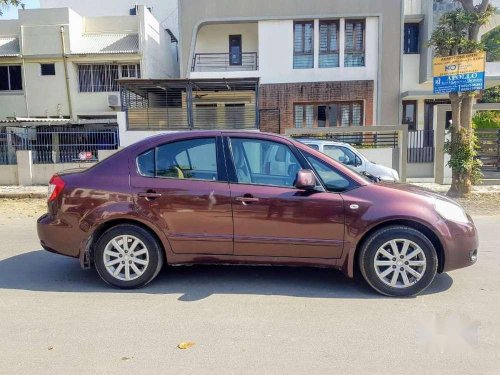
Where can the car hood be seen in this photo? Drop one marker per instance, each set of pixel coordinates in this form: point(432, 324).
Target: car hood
point(380, 170)
point(413, 189)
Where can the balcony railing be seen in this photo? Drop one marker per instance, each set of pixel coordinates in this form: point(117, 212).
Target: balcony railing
point(224, 62)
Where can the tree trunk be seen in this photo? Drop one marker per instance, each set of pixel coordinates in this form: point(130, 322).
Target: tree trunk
point(455, 100)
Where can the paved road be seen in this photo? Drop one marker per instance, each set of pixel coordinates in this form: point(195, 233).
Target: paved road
point(57, 318)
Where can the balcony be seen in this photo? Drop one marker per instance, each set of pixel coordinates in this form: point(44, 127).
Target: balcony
point(225, 62)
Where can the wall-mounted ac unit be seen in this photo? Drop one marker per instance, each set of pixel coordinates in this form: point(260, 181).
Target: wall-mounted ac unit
point(114, 101)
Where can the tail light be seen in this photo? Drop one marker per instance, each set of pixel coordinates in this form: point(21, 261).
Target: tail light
point(56, 185)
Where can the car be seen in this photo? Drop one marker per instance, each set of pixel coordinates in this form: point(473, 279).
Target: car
point(236, 197)
point(350, 156)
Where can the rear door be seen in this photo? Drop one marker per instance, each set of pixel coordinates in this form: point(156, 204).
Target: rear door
point(271, 217)
point(182, 187)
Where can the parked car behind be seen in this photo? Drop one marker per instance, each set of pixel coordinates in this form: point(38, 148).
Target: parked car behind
point(348, 155)
point(250, 198)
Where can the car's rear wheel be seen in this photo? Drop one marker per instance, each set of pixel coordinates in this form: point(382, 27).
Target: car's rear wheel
point(127, 256)
point(398, 261)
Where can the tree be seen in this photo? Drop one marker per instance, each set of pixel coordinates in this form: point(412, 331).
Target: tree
point(491, 95)
point(457, 33)
point(6, 3)
point(491, 41)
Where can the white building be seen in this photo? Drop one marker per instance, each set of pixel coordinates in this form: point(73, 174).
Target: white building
point(55, 63)
point(165, 11)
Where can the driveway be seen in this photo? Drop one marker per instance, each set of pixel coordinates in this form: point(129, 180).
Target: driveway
point(55, 317)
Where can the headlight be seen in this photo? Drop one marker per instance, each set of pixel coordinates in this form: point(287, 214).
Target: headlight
point(450, 211)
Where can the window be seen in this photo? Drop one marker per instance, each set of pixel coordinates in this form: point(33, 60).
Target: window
point(410, 114)
point(11, 78)
point(191, 159)
point(48, 69)
point(102, 77)
point(304, 116)
point(341, 154)
point(264, 162)
point(331, 178)
point(354, 43)
point(329, 115)
point(411, 44)
point(146, 163)
point(328, 44)
point(303, 45)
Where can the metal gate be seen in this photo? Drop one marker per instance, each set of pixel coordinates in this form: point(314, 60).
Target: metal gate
point(270, 120)
point(489, 149)
point(421, 146)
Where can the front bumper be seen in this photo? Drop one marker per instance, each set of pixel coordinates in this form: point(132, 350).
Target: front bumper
point(461, 244)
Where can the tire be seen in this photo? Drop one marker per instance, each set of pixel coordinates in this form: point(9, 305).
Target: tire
point(377, 258)
point(142, 256)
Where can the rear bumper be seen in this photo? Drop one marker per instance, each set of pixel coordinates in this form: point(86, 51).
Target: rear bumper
point(56, 236)
point(461, 245)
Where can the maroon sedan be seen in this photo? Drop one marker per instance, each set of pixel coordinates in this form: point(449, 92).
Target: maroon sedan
point(250, 198)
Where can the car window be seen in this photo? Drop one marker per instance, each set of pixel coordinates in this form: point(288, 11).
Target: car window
point(341, 154)
point(314, 147)
point(146, 163)
point(190, 159)
point(331, 178)
point(264, 162)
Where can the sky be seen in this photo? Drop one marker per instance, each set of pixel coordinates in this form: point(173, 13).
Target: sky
point(11, 12)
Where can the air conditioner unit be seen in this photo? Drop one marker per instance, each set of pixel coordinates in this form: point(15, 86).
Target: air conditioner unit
point(114, 101)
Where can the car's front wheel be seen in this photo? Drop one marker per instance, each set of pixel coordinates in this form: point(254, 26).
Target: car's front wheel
point(398, 261)
point(127, 256)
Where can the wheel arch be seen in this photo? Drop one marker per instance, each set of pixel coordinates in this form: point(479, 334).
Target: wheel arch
point(353, 261)
point(87, 253)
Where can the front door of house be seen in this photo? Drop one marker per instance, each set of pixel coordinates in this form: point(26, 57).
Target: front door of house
point(235, 53)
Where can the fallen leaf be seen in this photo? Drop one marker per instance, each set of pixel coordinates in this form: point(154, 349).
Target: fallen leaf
point(126, 358)
point(50, 348)
point(186, 345)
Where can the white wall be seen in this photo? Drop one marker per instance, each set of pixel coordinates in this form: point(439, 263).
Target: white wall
point(382, 156)
point(157, 58)
point(276, 56)
point(163, 10)
point(412, 7)
point(214, 38)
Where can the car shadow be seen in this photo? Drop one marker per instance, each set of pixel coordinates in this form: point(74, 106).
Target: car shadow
point(46, 272)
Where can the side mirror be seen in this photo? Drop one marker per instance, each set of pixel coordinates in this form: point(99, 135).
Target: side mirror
point(358, 161)
point(305, 180)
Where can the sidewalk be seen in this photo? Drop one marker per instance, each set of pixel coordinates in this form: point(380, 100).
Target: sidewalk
point(18, 192)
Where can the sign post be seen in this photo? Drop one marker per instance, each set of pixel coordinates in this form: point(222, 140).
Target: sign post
point(459, 73)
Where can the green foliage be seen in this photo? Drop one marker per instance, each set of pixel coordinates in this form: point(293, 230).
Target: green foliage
point(491, 42)
point(452, 34)
point(491, 95)
point(486, 120)
point(463, 148)
point(6, 3)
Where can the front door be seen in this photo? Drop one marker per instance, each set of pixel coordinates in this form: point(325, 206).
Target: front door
point(235, 52)
point(273, 218)
point(181, 187)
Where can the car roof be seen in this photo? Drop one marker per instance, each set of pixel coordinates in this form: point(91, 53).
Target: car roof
point(321, 142)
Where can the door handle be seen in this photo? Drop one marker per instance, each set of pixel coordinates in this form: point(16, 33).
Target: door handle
point(149, 195)
point(246, 200)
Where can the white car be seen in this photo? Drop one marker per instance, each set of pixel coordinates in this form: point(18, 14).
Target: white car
point(348, 155)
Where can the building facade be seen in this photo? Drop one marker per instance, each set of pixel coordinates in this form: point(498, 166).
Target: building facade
point(320, 63)
point(418, 100)
point(55, 63)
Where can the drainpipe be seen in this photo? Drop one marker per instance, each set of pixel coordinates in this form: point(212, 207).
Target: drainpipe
point(24, 74)
point(65, 63)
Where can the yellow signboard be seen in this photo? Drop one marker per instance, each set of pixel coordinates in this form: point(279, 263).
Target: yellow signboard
point(459, 64)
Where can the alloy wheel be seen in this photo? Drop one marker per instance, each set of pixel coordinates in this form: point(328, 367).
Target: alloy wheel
point(400, 263)
point(126, 257)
